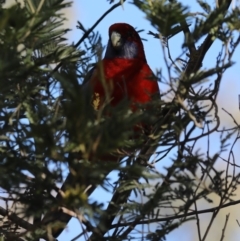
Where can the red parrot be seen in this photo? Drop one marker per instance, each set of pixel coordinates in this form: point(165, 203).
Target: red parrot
point(126, 74)
point(125, 69)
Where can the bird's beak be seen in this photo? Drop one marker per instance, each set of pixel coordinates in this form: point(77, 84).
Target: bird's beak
point(116, 39)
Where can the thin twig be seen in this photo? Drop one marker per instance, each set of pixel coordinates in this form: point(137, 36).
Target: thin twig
point(224, 228)
point(85, 35)
point(170, 218)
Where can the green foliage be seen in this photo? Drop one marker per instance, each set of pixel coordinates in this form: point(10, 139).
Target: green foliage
point(205, 6)
point(162, 15)
point(48, 126)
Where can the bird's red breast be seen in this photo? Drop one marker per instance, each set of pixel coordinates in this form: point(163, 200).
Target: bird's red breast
point(124, 78)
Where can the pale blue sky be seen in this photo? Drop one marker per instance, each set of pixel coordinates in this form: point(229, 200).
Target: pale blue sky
point(88, 11)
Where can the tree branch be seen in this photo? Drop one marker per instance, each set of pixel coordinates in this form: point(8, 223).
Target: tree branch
point(14, 218)
point(194, 213)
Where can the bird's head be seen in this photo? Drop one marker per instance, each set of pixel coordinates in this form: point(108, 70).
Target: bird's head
point(124, 42)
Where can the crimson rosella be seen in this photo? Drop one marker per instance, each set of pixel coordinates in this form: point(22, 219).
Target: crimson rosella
point(126, 74)
point(125, 69)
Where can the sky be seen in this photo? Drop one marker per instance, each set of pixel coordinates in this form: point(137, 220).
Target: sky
point(88, 12)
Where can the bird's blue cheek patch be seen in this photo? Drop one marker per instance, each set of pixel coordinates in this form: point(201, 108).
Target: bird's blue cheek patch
point(129, 50)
